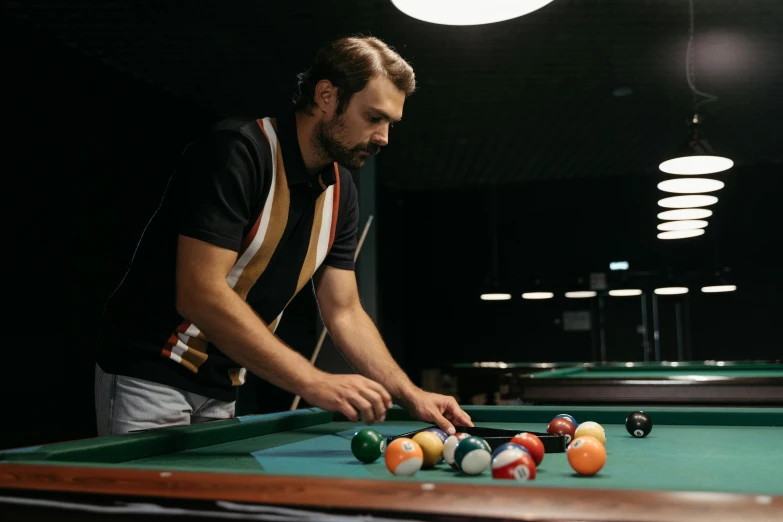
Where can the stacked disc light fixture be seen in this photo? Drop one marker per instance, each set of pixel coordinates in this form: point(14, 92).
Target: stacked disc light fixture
point(686, 195)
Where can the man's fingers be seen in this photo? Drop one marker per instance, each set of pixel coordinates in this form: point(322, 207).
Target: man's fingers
point(350, 413)
point(376, 401)
point(443, 423)
point(387, 399)
point(364, 406)
point(457, 414)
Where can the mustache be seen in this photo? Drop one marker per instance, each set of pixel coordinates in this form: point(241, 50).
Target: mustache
point(372, 148)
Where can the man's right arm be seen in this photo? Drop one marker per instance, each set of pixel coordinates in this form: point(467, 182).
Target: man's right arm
point(204, 298)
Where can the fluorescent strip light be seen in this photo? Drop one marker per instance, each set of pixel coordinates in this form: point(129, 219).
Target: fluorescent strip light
point(626, 292)
point(671, 290)
point(582, 294)
point(495, 297)
point(718, 289)
point(538, 295)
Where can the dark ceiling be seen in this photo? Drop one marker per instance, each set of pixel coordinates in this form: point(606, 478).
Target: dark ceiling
point(577, 89)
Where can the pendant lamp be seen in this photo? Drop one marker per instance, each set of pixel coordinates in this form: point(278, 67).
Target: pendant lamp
point(467, 12)
point(695, 156)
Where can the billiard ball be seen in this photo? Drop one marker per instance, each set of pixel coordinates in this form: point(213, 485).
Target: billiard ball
point(450, 446)
point(638, 424)
point(586, 455)
point(561, 426)
point(513, 463)
point(569, 417)
point(440, 433)
point(431, 447)
point(367, 445)
point(472, 455)
point(532, 444)
point(403, 457)
point(593, 429)
point(509, 445)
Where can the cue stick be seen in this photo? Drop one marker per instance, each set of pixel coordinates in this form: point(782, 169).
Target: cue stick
point(320, 343)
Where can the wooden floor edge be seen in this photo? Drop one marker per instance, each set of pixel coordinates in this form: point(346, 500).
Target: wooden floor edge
point(470, 500)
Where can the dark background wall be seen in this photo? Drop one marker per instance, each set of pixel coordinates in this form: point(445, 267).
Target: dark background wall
point(89, 147)
point(87, 154)
point(557, 232)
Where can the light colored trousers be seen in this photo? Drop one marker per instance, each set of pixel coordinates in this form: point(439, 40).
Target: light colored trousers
point(126, 404)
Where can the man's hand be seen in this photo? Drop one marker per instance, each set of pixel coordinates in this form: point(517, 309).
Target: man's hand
point(438, 409)
point(351, 395)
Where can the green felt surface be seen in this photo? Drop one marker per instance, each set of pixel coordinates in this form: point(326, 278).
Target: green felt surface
point(706, 458)
point(737, 450)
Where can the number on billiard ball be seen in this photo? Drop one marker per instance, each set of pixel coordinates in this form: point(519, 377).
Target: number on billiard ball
point(638, 424)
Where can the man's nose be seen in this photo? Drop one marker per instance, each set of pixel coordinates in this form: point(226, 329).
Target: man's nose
point(381, 137)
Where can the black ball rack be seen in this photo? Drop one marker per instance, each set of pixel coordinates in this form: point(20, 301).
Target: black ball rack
point(497, 436)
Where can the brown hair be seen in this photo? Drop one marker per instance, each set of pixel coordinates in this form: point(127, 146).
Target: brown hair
point(350, 63)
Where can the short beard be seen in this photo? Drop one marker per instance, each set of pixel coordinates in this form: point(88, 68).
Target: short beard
point(328, 140)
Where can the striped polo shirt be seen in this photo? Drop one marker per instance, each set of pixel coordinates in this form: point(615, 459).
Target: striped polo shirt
point(244, 187)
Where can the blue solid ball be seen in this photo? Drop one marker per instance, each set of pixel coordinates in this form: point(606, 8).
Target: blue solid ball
point(508, 445)
point(569, 417)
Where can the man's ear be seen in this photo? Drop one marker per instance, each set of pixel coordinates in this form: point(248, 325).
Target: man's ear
point(326, 96)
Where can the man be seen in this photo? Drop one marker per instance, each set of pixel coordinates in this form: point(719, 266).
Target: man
point(257, 210)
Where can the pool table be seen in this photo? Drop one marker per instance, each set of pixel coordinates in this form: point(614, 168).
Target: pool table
point(488, 377)
point(707, 383)
point(697, 464)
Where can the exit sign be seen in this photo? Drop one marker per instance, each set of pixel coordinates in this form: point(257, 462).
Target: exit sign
point(618, 265)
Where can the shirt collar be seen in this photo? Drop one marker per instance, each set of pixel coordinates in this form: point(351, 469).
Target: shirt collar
point(295, 169)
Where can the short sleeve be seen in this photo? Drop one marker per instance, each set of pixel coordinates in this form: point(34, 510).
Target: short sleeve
point(216, 188)
point(343, 250)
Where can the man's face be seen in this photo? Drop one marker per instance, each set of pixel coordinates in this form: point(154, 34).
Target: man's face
point(359, 132)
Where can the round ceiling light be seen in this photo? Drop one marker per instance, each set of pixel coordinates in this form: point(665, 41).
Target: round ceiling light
point(683, 225)
point(467, 12)
point(685, 213)
point(687, 201)
point(690, 185)
point(681, 234)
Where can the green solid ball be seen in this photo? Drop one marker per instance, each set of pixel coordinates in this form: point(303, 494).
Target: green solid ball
point(473, 455)
point(367, 445)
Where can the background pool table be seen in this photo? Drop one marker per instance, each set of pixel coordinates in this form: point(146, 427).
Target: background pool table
point(753, 383)
point(697, 464)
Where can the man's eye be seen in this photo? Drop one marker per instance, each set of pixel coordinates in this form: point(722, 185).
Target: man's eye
point(375, 119)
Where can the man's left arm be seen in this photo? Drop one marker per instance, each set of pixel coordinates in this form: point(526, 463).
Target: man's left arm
point(358, 339)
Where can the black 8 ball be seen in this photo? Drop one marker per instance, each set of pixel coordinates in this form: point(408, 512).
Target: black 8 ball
point(638, 424)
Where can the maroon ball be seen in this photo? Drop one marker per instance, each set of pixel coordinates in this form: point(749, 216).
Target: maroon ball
point(562, 426)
